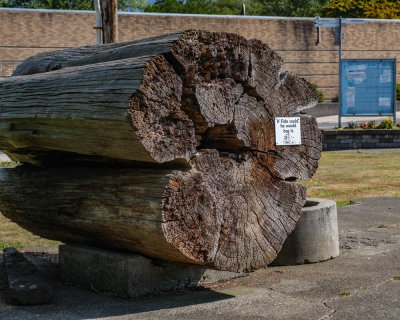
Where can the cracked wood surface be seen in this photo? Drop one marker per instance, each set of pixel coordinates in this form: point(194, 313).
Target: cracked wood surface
point(199, 110)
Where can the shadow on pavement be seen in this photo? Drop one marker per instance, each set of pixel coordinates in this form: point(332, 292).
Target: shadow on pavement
point(75, 304)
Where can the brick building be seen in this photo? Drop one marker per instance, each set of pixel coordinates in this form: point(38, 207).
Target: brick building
point(26, 32)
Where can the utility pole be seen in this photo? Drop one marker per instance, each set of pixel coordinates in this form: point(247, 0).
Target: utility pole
point(340, 74)
point(98, 21)
point(109, 18)
point(243, 11)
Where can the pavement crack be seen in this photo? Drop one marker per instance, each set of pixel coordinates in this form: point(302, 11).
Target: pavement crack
point(331, 311)
point(325, 303)
point(375, 286)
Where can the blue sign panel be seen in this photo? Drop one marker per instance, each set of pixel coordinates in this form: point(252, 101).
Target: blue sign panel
point(368, 87)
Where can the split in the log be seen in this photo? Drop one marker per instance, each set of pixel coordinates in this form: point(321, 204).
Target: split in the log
point(199, 111)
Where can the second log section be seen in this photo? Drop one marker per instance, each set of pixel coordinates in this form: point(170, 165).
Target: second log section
point(181, 131)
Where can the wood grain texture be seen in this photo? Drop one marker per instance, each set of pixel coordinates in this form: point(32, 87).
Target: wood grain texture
point(219, 214)
point(199, 109)
point(79, 109)
point(72, 57)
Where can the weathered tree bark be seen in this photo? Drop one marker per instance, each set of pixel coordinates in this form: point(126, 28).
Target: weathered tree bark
point(192, 87)
point(198, 113)
point(221, 214)
point(72, 57)
point(109, 20)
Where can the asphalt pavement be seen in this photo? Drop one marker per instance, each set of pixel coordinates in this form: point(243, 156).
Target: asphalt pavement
point(359, 284)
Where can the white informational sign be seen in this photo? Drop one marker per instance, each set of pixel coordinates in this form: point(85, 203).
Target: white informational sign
point(385, 76)
point(358, 73)
point(287, 131)
point(385, 102)
point(350, 96)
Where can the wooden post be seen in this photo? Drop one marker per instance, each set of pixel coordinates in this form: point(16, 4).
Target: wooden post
point(109, 18)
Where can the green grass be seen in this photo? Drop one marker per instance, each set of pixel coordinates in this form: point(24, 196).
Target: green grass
point(345, 293)
point(343, 176)
point(9, 164)
point(5, 244)
point(382, 226)
point(344, 203)
point(12, 235)
point(396, 278)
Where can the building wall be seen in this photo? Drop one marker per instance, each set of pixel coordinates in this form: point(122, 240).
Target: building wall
point(26, 32)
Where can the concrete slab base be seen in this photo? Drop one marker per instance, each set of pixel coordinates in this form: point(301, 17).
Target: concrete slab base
point(129, 274)
point(315, 237)
point(367, 270)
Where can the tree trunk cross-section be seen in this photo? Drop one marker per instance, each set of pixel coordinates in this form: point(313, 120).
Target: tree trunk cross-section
point(196, 113)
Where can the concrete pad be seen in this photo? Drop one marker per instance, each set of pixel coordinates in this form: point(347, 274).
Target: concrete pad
point(386, 298)
point(323, 109)
point(25, 284)
point(3, 278)
point(369, 258)
point(256, 304)
point(129, 274)
point(370, 212)
point(329, 108)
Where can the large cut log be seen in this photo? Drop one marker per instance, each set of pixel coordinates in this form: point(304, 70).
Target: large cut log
point(72, 57)
point(221, 214)
point(192, 122)
point(159, 107)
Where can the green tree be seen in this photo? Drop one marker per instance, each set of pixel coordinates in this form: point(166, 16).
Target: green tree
point(225, 7)
point(49, 4)
point(291, 8)
point(180, 6)
point(124, 5)
point(234, 7)
point(380, 9)
point(132, 5)
point(288, 8)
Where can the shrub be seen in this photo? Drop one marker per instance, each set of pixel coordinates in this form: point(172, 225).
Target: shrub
point(398, 91)
point(319, 92)
point(367, 125)
point(386, 124)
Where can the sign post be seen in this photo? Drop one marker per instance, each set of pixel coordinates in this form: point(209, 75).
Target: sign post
point(340, 74)
point(338, 24)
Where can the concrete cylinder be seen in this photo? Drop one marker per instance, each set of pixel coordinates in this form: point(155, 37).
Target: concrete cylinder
point(4, 157)
point(315, 237)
